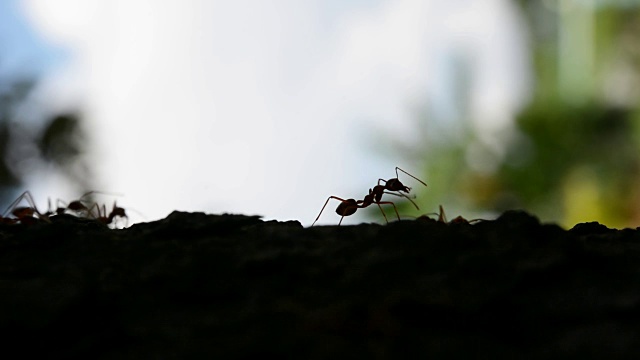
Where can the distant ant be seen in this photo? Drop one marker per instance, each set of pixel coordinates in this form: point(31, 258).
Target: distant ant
point(23, 214)
point(350, 206)
point(115, 212)
point(80, 205)
point(82, 208)
point(75, 206)
point(457, 220)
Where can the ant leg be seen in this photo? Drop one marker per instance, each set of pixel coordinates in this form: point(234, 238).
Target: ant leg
point(61, 206)
point(25, 211)
point(404, 196)
point(441, 216)
point(99, 192)
point(394, 208)
point(51, 211)
point(90, 211)
point(422, 182)
point(413, 202)
point(79, 205)
point(25, 195)
point(325, 205)
point(13, 205)
point(383, 214)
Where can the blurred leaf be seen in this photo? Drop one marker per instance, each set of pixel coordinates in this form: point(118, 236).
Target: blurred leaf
point(60, 140)
point(7, 177)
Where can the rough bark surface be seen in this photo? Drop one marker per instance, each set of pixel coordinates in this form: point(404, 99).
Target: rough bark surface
point(233, 286)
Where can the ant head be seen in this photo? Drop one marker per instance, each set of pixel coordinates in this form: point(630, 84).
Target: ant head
point(118, 211)
point(396, 185)
point(76, 206)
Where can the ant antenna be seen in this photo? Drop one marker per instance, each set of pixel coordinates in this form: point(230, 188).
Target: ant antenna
point(422, 182)
point(25, 195)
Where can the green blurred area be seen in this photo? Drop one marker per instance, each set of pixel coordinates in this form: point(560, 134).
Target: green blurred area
point(573, 153)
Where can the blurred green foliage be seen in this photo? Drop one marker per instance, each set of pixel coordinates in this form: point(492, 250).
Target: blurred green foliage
point(584, 158)
point(573, 153)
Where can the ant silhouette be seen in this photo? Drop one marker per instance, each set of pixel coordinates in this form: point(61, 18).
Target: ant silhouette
point(350, 206)
point(85, 209)
point(23, 214)
point(76, 207)
point(80, 206)
point(116, 211)
point(443, 219)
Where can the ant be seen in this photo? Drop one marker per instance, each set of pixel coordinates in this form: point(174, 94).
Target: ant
point(108, 219)
point(75, 206)
point(458, 220)
point(24, 214)
point(82, 208)
point(350, 206)
point(80, 205)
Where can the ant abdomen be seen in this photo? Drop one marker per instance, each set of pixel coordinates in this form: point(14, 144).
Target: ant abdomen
point(347, 207)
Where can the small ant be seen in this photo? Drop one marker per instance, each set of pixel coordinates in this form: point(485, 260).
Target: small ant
point(80, 205)
point(350, 206)
point(108, 219)
point(458, 220)
point(75, 206)
point(82, 208)
point(24, 214)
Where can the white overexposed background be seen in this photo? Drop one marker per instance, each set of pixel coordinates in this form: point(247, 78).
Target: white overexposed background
point(267, 107)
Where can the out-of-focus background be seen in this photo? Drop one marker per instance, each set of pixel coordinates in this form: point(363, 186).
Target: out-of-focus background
point(268, 108)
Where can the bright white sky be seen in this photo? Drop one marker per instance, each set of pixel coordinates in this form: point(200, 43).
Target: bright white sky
point(267, 108)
